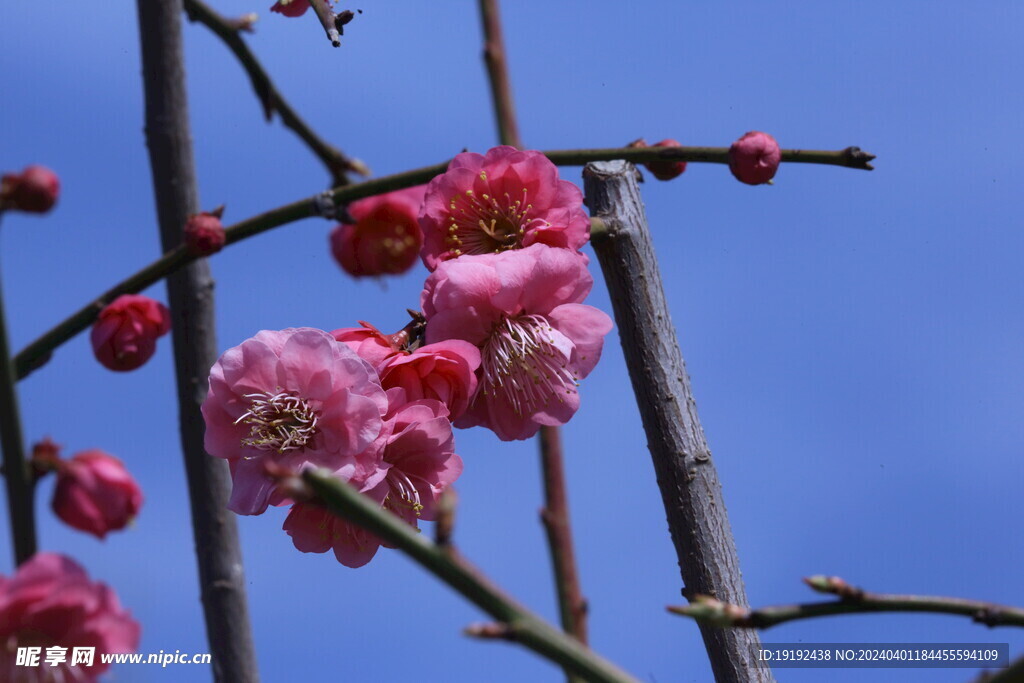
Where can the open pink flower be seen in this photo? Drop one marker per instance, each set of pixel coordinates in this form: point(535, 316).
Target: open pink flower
point(125, 332)
point(296, 398)
point(445, 371)
point(290, 8)
point(416, 462)
point(506, 199)
point(522, 310)
point(50, 602)
point(386, 237)
point(95, 493)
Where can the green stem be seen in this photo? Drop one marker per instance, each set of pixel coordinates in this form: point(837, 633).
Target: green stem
point(521, 625)
point(37, 352)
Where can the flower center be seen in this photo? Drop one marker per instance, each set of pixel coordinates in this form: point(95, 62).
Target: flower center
point(485, 224)
point(404, 488)
point(522, 365)
point(278, 422)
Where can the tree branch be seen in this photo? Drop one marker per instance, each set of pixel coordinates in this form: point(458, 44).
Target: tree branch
point(852, 600)
point(519, 624)
point(497, 74)
point(689, 484)
point(325, 14)
point(17, 479)
point(37, 352)
point(1011, 674)
point(190, 294)
point(337, 163)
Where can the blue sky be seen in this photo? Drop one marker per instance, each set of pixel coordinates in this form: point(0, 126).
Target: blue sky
point(854, 339)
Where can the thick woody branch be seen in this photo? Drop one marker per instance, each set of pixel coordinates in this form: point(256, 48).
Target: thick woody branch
point(37, 353)
point(686, 474)
point(516, 623)
point(190, 294)
point(852, 600)
point(270, 97)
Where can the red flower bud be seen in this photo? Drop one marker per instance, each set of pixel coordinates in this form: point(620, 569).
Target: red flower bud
point(124, 336)
point(34, 190)
point(666, 170)
point(290, 8)
point(95, 493)
point(385, 238)
point(204, 233)
point(754, 158)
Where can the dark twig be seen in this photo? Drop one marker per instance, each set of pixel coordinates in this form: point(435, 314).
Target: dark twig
point(852, 600)
point(325, 14)
point(572, 606)
point(337, 163)
point(20, 490)
point(190, 293)
point(517, 623)
point(690, 490)
point(497, 74)
point(37, 352)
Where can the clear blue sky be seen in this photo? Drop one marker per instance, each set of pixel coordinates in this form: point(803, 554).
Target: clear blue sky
point(854, 339)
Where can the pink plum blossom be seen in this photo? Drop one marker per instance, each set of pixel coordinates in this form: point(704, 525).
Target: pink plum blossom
point(415, 462)
point(295, 398)
point(754, 158)
point(445, 371)
point(95, 493)
point(506, 199)
point(125, 332)
point(385, 238)
point(50, 602)
point(522, 310)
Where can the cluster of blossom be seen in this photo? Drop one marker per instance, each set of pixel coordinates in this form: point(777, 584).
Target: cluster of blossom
point(502, 341)
point(50, 603)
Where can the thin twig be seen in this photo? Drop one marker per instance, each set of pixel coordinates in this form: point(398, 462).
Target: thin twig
point(572, 607)
point(20, 489)
point(325, 14)
point(37, 352)
point(687, 478)
point(190, 294)
point(519, 624)
point(497, 74)
point(337, 163)
point(852, 600)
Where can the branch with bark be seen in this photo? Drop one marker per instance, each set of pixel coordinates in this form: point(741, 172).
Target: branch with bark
point(852, 600)
point(690, 490)
point(190, 294)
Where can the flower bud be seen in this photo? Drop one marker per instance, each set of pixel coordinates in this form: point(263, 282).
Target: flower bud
point(95, 493)
point(385, 238)
point(754, 158)
point(204, 233)
point(666, 170)
point(125, 333)
point(34, 190)
point(290, 8)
